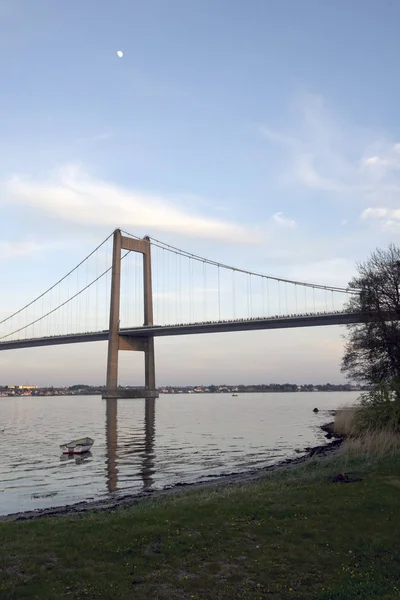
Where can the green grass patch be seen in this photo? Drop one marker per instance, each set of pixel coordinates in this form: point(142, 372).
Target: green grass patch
point(295, 534)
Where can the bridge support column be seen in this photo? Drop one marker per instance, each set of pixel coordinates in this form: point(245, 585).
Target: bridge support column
point(118, 342)
point(149, 357)
point(113, 337)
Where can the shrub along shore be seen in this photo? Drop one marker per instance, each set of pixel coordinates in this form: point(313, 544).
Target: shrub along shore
point(324, 528)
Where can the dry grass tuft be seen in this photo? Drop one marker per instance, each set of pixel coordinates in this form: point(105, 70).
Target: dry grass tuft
point(345, 422)
point(372, 443)
point(361, 439)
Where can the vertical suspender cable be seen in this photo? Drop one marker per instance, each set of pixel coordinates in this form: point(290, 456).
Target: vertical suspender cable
point(179, 313)
point(58, 316)
point(177, 318)
point(166, 287)
point(66, 310)
point(248, 297)
point(262, 296)
point(77, 304)
point(204, 292)
point(125, 272)
point(139, 267)
point(162, 287)
point(42, 308)
point(108, 298)
point(156, 287)
point(251, 298)
point(219, 297)
point(88, 302)
point(279, 298)
point(233, 294)
point(48, 320)
point(191, 289)
point(12, 320)
point(82, 297)
point(87, 320)
point(287, 311)
point(82, 303)
point(97, 328)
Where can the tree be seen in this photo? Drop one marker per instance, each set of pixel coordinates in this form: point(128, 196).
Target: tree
point(372, 351)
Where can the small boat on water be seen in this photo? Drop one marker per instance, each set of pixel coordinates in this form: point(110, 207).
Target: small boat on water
point(77, 446)
point(235, 395)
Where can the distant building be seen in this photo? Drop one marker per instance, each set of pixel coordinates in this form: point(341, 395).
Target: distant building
point(22, 387)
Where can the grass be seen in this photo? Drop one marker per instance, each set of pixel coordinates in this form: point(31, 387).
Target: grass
point(372, 443)
point(294, 534)
point(364, 441)
point(345, 422)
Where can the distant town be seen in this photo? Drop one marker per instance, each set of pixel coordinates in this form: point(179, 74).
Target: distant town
point(85, 390)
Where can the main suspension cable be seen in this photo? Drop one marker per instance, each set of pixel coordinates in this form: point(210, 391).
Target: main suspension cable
point(58, 282)
point(175, 250)
point(63, 303)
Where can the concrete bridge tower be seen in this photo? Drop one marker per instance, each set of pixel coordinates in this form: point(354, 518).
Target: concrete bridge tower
point(117, 342)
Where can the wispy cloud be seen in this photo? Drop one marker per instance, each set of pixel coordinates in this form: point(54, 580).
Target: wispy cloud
point(10, 250)
point(323, 153)
point(74, 196)
point(388, 219)
point(283, 221)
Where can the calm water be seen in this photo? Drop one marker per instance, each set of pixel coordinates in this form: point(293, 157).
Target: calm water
point(147, 444)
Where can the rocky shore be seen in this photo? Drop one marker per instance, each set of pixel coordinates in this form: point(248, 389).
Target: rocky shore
point(210, 482)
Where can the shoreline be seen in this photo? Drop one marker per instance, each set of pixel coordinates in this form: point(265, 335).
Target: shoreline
point(221, 481)
point(191, 392)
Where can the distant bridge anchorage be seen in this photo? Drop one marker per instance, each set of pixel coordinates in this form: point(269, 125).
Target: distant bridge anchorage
point(145, 289)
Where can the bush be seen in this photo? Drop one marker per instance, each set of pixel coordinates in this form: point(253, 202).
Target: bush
point(372, 428)
point(380, 408)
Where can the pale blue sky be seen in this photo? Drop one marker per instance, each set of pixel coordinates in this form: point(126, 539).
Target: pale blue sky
point(267, 129)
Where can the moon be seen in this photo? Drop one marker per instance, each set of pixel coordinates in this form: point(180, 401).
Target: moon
point(120, 53)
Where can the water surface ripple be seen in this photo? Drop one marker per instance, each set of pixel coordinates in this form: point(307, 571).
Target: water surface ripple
point(147, 444)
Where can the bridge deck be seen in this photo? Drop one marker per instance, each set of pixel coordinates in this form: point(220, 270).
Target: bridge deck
point(192, 329)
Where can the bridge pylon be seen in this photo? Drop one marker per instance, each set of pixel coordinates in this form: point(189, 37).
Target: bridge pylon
point(116, 341)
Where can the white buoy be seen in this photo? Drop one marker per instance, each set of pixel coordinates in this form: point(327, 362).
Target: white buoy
point(120, 53)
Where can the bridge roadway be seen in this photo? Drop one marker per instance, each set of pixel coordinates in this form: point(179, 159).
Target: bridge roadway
point(310, 320)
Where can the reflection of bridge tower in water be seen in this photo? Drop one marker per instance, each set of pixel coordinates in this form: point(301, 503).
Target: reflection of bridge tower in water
point(148, 458)
point(111, 443)
point(147, 468)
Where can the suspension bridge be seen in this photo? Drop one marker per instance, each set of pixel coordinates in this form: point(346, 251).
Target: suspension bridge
point(129, 290)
